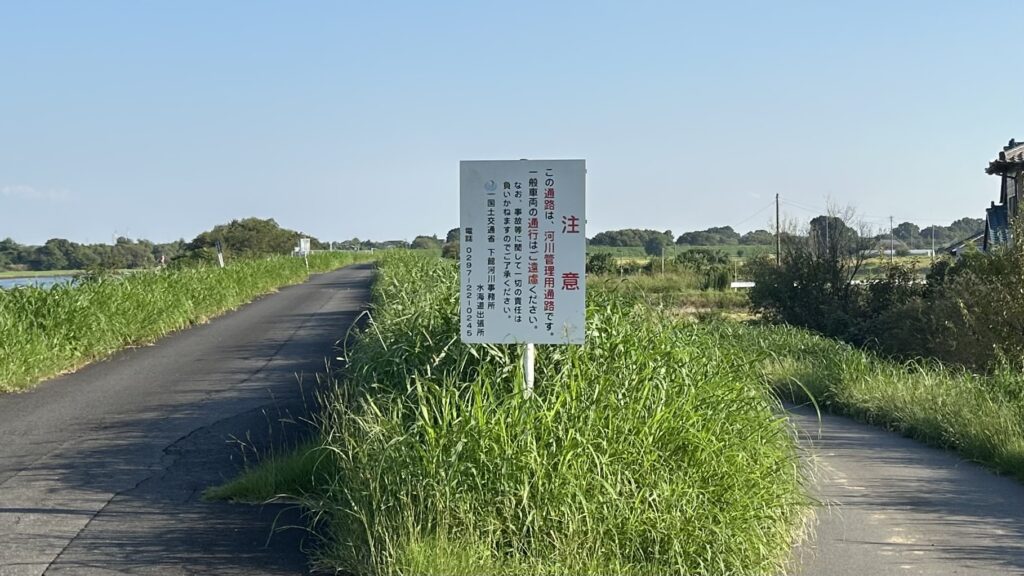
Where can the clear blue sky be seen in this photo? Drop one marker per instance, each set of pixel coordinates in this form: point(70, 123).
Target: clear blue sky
point(160, 119)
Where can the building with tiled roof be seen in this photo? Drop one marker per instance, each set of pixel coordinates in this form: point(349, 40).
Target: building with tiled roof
point(999, 218)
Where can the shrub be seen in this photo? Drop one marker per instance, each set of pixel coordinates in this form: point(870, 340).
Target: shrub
point(601, 263)
point(450, 250)
point(970, 312)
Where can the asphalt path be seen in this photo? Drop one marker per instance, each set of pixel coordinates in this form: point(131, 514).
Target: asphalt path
point(890, 505)
point(101, 471)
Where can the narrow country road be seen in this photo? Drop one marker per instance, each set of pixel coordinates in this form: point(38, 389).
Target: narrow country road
point(101, 471)
point(891, 505)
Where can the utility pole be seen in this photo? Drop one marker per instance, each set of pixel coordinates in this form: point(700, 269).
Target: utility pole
point(892, 242)
point(933, 243)
point(778, 234)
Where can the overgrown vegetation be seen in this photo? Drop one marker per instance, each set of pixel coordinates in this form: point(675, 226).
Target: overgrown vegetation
point(694, 283)
point(647, 451)
point(692, 270)
point(969, 312)
point(44, 332)
point(960, 383)
point(978, 414)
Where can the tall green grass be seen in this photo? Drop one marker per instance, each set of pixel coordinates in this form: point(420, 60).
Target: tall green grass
point(35, 273)
point(44, 332)
point(647, 451)
point(618, 251)
point(981, 416)
point(748, 250)
point(679, 290)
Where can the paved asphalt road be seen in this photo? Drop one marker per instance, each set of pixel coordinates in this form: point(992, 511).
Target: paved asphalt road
point(101, 471)
point(895, 506)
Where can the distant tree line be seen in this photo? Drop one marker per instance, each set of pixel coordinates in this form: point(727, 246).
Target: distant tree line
point(239, 238)
point(630, 237)
point(244, 238)
point(61, 254)
point(914, 237)
point(358, 244)
point(907, 234)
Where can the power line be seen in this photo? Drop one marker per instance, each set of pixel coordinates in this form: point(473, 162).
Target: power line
point(804, 206)
point(823, 210)
point(878, 224)
point(870, 218)
point(755, 214)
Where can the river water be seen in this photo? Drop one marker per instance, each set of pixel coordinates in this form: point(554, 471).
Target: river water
point(40, 281)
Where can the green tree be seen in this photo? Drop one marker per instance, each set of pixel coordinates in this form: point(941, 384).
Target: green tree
point(941, 236)
point(711, 267)
point(83, 257)
point(655, 244)
point(135, 255)
point(450, 250)
point(451, 244)
point(169, 250)
point(908, 233)
point(831, 236)
point(426, 243)
point(702, 259)
point(814, 286)
point(600, 263)
point(714, 236)
point(628, 237)
point(966, 227)
point(353, 244)
point(52, 256)
point(758, 238)
point(249, 237)
point(10, 252)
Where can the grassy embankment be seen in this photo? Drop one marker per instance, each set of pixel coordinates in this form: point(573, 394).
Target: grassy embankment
point(876, 267)
point(677, 291)
point(647, 451)
point(637, 252)
point(44, 332)
point(873, 268)
point(979, 416)
point(36, 273)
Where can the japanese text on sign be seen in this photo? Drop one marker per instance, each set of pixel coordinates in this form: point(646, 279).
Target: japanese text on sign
point(523, 251)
